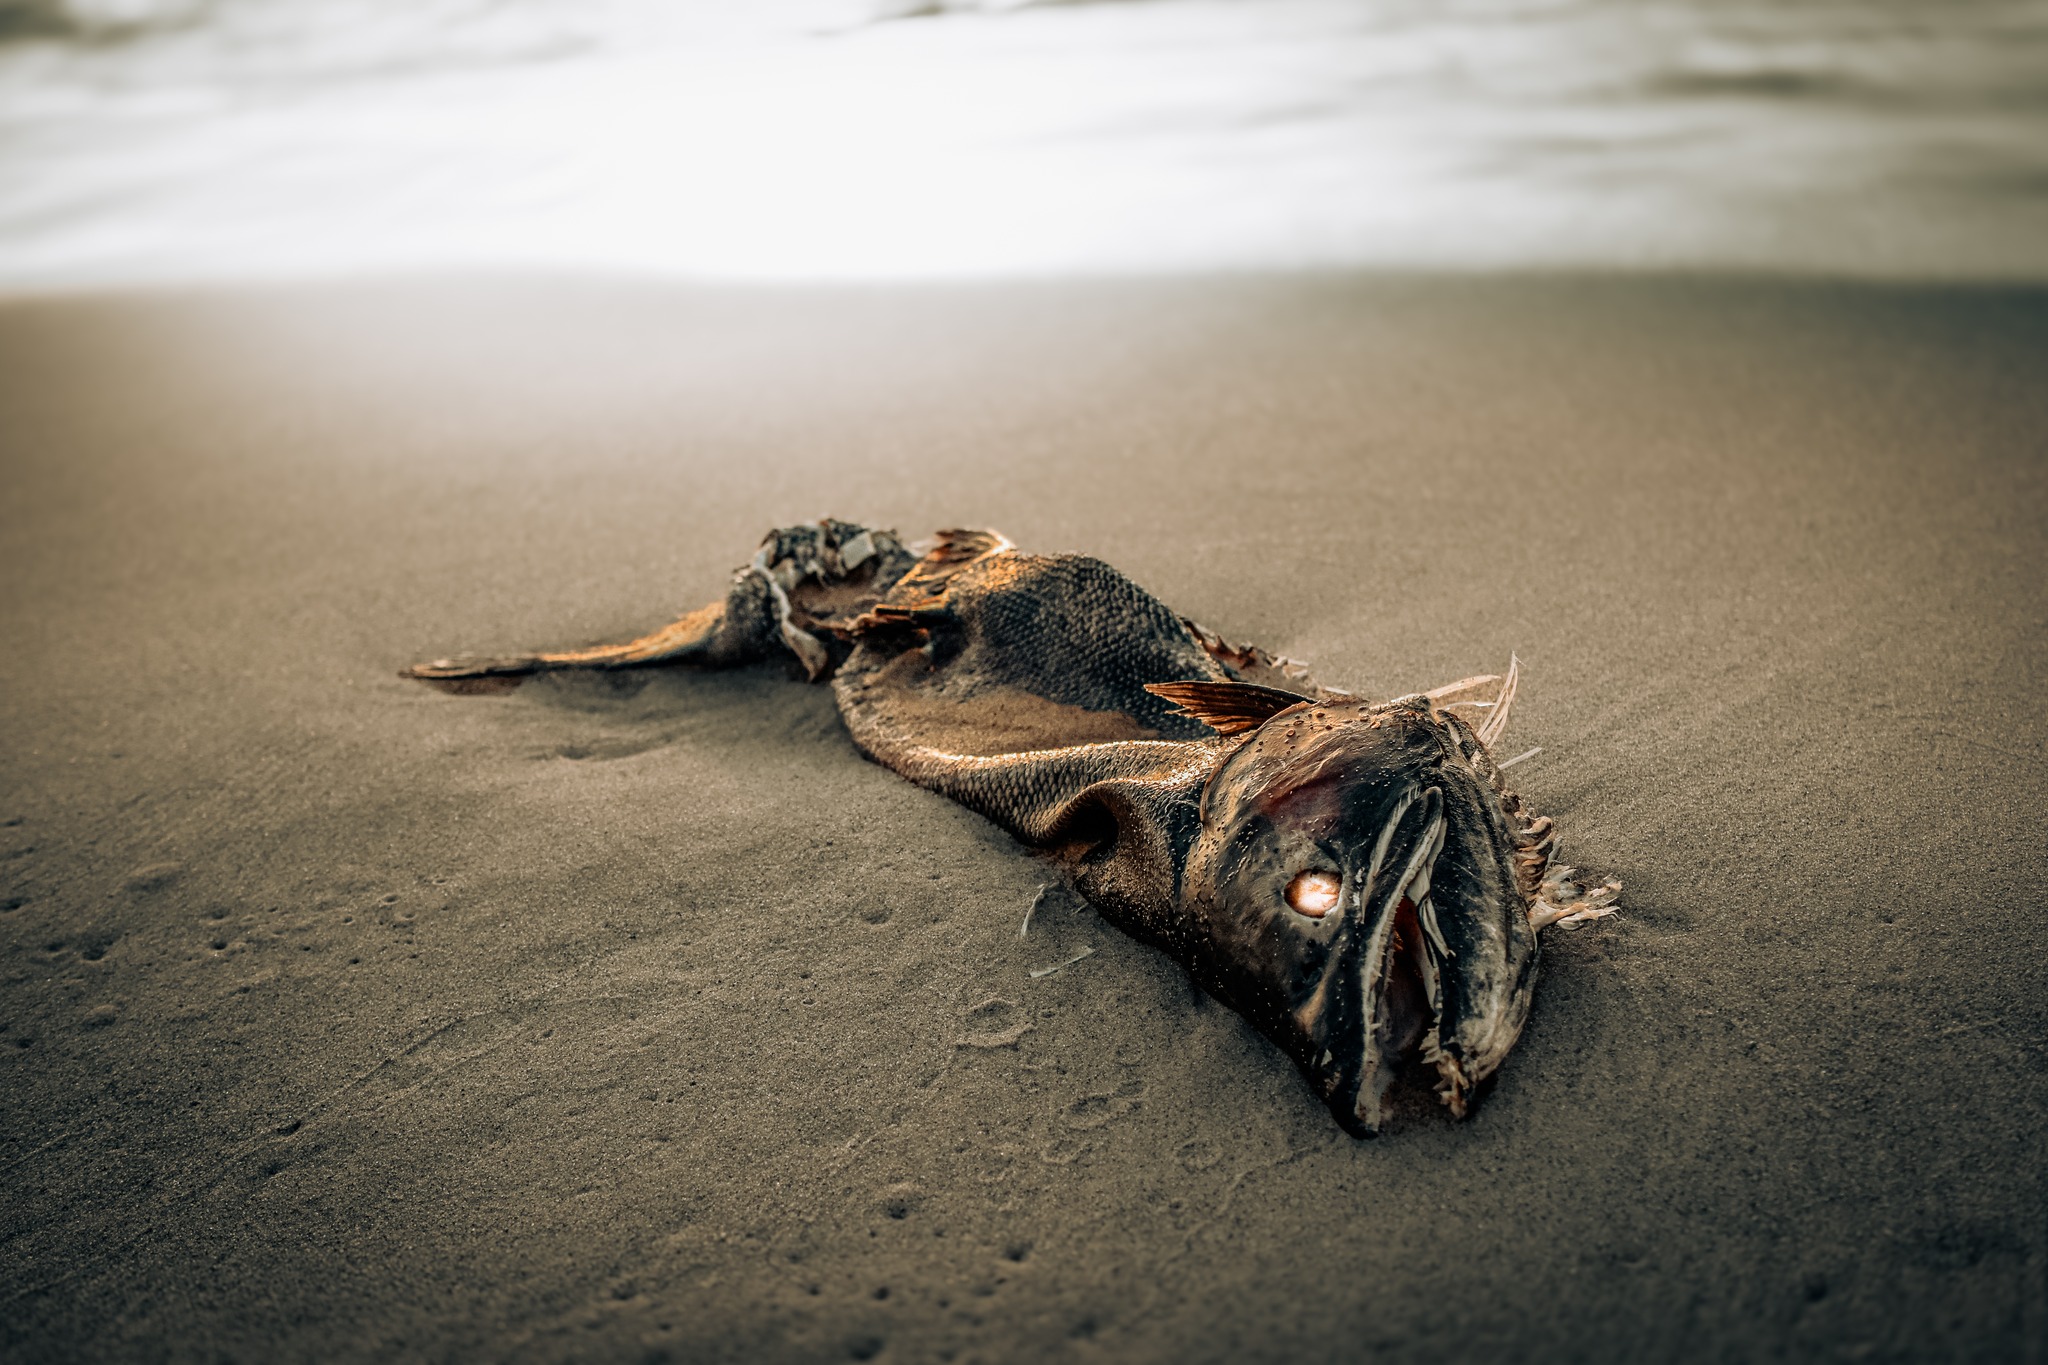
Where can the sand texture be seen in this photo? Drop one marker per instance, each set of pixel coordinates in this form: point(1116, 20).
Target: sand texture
point(639, 1018)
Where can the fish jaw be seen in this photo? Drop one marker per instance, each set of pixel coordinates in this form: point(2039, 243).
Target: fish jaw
point(1483, 946)
point(1389, 956)
point(1427, 955)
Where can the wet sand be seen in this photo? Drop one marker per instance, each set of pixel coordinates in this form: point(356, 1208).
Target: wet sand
point(641, 1019)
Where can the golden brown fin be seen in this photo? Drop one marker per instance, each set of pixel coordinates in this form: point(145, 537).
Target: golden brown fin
point(961, 544)
point(940, 558)
point(677, 642)
point(1228, 708)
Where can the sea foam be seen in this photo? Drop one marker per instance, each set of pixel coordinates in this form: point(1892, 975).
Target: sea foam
point(859, 139)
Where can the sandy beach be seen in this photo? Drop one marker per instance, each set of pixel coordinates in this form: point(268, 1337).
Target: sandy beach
point(642, 1019)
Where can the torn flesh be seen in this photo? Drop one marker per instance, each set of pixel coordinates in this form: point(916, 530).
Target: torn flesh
point(1566, 900)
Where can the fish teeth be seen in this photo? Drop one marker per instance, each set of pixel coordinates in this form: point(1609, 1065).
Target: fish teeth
point(1425, 910)
point(1419, 887)
point(1432, 985)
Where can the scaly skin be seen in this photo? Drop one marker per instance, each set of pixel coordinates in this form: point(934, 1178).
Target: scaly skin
point(1183, 793)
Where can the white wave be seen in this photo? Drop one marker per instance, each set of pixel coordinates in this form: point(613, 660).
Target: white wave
point(889, 138)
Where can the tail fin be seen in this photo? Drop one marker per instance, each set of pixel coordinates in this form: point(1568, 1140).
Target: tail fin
point(699, 637)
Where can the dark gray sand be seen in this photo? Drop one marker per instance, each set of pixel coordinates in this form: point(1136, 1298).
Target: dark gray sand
point(642, 1019)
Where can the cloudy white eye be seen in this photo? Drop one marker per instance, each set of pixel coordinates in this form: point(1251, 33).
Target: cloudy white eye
point(1314, 893)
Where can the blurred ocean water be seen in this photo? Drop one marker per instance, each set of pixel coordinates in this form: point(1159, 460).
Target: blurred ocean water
point(795, 139)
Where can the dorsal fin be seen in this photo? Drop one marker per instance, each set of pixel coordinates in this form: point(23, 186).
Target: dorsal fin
point(1228, 708)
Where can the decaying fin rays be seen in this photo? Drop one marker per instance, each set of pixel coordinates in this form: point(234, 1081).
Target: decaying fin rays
point(1355, 878)
point(757, 613)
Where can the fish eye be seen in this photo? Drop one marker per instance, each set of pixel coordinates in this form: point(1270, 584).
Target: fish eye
point(1314, 893)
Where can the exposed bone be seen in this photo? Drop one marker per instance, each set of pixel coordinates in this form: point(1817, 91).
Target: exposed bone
point(1418, 889)
point(1497, 723)
point(1414, 874)
point(1089, 951)
point(1550, 902)
point(1432, 986)
point(1564, 901)
point(1425, 910)
point(806, 646)
point(1032, 908)
point(1463, 692)
point(857, 551)
point(1474, 750)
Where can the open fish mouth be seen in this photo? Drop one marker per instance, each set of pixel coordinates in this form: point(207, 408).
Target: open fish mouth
point(1402, 962)
point(1415, 882)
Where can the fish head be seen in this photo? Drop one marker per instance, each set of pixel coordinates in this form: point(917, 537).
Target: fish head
point(1353, 891)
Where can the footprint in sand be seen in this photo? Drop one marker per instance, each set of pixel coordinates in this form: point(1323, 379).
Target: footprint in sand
point(995, 1022)
point(1065, 1152)
point(604, 749)
point(1103, 1107)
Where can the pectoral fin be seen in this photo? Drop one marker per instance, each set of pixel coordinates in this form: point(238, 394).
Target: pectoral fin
point(1228, 708)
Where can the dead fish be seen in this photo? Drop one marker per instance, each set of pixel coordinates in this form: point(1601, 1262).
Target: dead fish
point(1355, 878)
